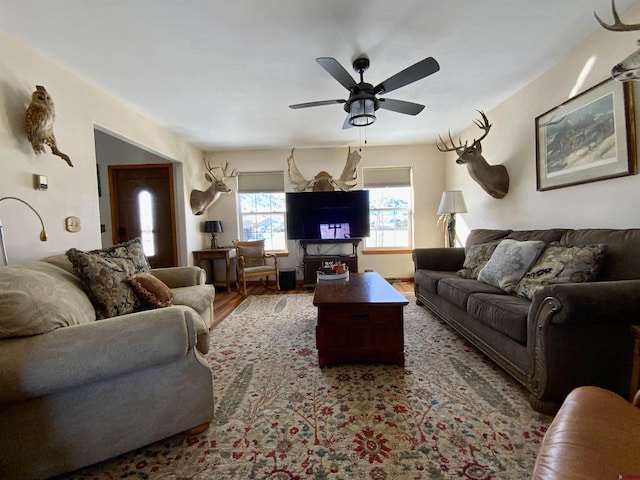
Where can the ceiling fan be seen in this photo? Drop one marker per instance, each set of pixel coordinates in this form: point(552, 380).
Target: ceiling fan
point(363, 98)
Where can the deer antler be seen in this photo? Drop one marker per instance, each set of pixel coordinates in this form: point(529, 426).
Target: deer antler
point(453, 147)
point(225, 170)
point(484, 125)
point(617, 26)
point(209, 175)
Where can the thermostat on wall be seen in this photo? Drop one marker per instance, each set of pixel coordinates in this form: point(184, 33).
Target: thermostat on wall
point(72, 224)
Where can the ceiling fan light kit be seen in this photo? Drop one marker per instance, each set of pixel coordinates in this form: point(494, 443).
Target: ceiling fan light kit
point(363, 101)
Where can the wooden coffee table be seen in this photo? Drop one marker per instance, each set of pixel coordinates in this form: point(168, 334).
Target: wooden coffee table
point(360, 319)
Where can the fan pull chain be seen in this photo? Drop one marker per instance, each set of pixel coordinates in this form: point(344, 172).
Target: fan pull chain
point(365, 136)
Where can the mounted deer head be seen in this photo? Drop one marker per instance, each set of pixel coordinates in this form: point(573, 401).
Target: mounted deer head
point(200, 200)
point(629, 68)
point(493, 179)
point(323, 182)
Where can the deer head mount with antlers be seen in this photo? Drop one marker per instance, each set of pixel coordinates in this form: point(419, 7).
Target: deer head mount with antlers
point(201, 200)
point(629, 68)
point(493, 179)
point(323, 182)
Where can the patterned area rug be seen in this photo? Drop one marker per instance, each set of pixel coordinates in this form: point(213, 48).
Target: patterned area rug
point(450, 413)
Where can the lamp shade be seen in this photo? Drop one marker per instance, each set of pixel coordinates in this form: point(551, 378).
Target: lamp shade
point(452, 201)
point(213, 226)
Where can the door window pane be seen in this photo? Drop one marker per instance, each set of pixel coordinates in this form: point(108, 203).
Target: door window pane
point(145, 209)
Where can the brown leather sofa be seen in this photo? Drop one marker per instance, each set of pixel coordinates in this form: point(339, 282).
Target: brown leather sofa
point(594, 436)
point(568, 335)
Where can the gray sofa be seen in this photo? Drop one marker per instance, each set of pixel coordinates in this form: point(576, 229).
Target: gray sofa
point(566, 335)
point(79, 390)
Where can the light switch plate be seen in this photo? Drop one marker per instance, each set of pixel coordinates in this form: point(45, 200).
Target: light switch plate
point(72, 224)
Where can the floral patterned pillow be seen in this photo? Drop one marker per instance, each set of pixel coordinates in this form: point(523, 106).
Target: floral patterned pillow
point(476, 257)
point(509, 262)
point(559, 264)
point(104, 276)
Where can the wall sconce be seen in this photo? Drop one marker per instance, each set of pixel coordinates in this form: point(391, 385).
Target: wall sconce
point(43, 233)
point(452, 202)
point(214, 227)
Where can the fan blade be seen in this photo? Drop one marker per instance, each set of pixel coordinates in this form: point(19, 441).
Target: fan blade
point(346, 123)
point(400, 106)
point(409, 75)
point(317, 104)
point(337, 71)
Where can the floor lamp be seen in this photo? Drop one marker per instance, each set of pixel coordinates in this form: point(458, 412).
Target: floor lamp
point(452, 202)
point(43, 233)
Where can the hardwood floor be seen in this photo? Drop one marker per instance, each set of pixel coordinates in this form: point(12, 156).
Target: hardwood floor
point(226, 302)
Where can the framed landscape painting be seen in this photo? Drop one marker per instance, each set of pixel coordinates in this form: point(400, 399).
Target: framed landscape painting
point(588, 138)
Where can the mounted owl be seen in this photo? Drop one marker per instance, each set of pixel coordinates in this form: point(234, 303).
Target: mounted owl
point(323, 181)
point(39, 124)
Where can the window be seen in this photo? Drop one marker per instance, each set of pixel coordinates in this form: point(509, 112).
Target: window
point(390, 214)
point(262, 209)
point(145, 210)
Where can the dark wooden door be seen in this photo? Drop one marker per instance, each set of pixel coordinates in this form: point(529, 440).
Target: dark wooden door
point(142, 205)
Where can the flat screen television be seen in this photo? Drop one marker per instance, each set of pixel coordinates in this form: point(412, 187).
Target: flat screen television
point(327, 215)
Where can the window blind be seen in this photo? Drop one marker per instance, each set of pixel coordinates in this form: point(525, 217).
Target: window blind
point(386, 177)
point(260, 182)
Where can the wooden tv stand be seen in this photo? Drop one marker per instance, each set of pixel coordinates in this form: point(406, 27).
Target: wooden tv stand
point(312, 263)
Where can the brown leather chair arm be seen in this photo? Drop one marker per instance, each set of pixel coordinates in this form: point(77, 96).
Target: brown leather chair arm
point(439, 259)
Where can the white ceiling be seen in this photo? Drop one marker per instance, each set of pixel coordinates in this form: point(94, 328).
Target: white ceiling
point(221, 73)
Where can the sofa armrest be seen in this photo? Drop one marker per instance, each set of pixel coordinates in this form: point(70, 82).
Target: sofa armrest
point(592, 302)
point(175, 277)
point(71, 356)
point(440, 259)
point(578, 334)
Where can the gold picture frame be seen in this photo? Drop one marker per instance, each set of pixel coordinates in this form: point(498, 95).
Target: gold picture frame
point(588, 138)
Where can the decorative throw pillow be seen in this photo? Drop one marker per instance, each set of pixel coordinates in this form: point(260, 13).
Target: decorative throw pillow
point(151, 291)
point(104, 275)
point(509, 262)
point(559, 264)
point(476, 257)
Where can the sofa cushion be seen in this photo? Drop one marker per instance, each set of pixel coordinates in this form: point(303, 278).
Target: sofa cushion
point(547, 236)
point(37, 297)
point(198, 297)
point(509, 262)
point(622, 260)
point(104, 274)
point(150, 290)
point(558, 264)
point(504, 313)
point(485, 235)
point(476, 257)
point(457, 290)
point(428, 279)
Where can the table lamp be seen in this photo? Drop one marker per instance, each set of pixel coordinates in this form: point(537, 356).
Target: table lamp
point(214, 227)
point(452, 202)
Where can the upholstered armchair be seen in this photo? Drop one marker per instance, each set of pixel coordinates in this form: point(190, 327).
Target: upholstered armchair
point(254, 262)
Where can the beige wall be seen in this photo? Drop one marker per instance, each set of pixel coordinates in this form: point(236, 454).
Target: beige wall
point(511, 142)
point(72, 191)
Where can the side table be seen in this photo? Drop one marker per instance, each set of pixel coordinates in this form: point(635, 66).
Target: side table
point(635, 372)
point(212, 254)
